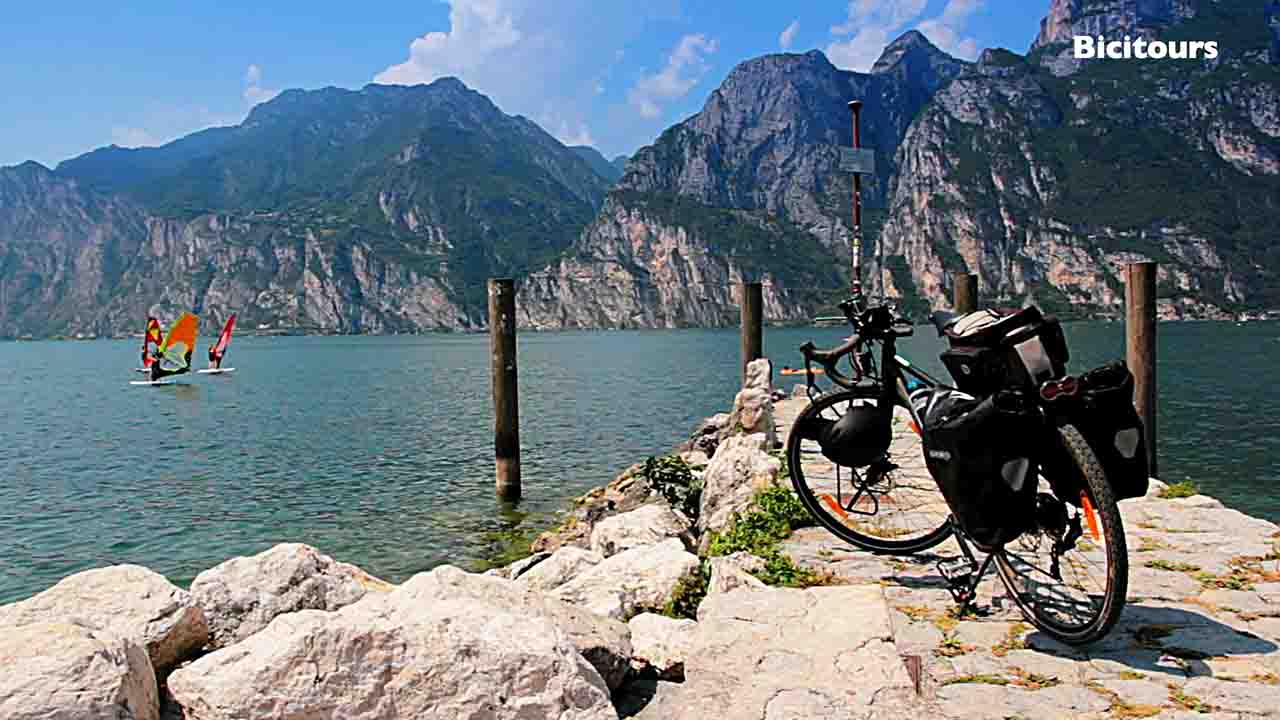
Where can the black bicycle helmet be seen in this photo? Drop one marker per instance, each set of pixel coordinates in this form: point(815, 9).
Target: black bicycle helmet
point(859, 438)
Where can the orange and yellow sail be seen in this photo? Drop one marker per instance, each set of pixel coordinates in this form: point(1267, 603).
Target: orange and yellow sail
point(180, 343)
point(150, 337)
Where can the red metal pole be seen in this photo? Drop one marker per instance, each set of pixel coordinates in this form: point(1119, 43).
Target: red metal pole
point(856, 107)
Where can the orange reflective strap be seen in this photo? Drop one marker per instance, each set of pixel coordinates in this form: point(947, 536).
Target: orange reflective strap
point(1090, 515)
point(831, 503)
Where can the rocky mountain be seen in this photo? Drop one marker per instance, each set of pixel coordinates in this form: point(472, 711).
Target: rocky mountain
point(606, 169)
point(1045, 174)
point(353, 211)
point(1041, 173)
point(1110, 18)
point(746, 188)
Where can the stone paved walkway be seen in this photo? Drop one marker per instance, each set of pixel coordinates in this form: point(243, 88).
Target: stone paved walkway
point(1199, 637)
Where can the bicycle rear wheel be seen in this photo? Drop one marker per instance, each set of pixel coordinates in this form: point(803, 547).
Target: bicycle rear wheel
point(881, 507)
point(1071, 575)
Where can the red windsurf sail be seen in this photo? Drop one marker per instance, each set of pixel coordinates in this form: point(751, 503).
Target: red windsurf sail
point(149, 338)
point(220, 348)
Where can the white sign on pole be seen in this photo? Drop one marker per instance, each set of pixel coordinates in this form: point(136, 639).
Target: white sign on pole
point(860, 160)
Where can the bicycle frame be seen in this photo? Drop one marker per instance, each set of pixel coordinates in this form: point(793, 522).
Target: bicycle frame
point(890, 377)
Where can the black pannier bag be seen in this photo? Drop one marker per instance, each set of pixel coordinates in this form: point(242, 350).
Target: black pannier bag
point(1105, 415)
point(990, 351)
point(981, 452)
point(860, 437)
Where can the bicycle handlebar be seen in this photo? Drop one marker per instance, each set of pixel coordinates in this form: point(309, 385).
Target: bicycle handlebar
point(869, 324)
point(829, 358)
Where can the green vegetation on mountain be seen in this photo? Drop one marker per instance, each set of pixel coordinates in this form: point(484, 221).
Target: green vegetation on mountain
point(1135, 154)
point(754, 241)
point(434, 178)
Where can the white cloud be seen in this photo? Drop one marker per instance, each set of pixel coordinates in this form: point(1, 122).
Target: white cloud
point(946, 30)
point(579, 136)
point(161, 123)
point(685, 68)
point(132, 137)
point(873, 24)
point(254, 93)
point(887, 13)
point(478, 30)
point(788, 36)
point(531, 55)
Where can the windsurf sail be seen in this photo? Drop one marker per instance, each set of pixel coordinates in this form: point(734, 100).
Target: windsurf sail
point(180, 343)
point(220, 348)
point(149, 338)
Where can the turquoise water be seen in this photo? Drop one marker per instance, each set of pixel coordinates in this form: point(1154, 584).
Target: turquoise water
point(378, 450)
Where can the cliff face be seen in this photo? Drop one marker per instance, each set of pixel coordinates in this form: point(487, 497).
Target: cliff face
point(75, 260)
point(1045, 182)
point(372, 211)
point(745, 189)
point(1110, 18)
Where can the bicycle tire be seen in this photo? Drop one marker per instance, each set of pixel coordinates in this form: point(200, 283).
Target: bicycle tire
point(819, 511)
point(1117, 575)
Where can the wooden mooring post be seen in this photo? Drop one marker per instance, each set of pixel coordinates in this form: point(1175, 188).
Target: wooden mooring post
point(964, 292)
point(752, 304)
point(1140, 346)
point(506, 396)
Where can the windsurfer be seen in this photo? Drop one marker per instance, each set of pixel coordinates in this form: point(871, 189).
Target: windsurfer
point(215, 360)
point(158, 371)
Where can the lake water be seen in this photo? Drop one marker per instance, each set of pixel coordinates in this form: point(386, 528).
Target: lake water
point(378, 450)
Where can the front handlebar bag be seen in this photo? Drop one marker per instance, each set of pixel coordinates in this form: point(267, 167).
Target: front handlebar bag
point(981, 453)
point(858, 438)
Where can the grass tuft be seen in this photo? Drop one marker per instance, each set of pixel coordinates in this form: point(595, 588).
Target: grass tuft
point(981, 679)
point(1171, 566)
point(1182, 489)
point(776, 514)
point(688, 594)
point(951, 646)
point(1033, 681)
point(1187, 702)
point(1012, 641)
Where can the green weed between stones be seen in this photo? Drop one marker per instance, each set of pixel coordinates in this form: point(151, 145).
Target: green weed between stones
point(951, 646)
point(1187, 702)
point(1171, 566)
point(688, 594)
point(776, 514)
point(1119, 708)
point(1012, 640)
point(1183, 489)
point(1033, 681)
point(979, 678)
point(672, 478)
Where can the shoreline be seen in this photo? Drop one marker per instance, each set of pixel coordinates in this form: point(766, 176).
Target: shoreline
point(1252, 316)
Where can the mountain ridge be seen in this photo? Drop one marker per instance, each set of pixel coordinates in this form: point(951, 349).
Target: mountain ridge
point(377, 210)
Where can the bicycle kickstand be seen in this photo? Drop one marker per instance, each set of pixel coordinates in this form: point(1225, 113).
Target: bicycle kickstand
point(964, 574)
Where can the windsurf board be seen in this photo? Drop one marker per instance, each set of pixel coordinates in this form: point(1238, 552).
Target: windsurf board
point(152, 382)
point(215, 371)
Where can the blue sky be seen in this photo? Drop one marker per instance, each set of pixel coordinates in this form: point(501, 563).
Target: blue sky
point(613, 74)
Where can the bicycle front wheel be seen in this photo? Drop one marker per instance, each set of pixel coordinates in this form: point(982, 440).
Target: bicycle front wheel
point(1071, 575)
point(881, 507)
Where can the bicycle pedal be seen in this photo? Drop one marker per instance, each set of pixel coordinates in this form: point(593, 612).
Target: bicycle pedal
point(956, 571)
